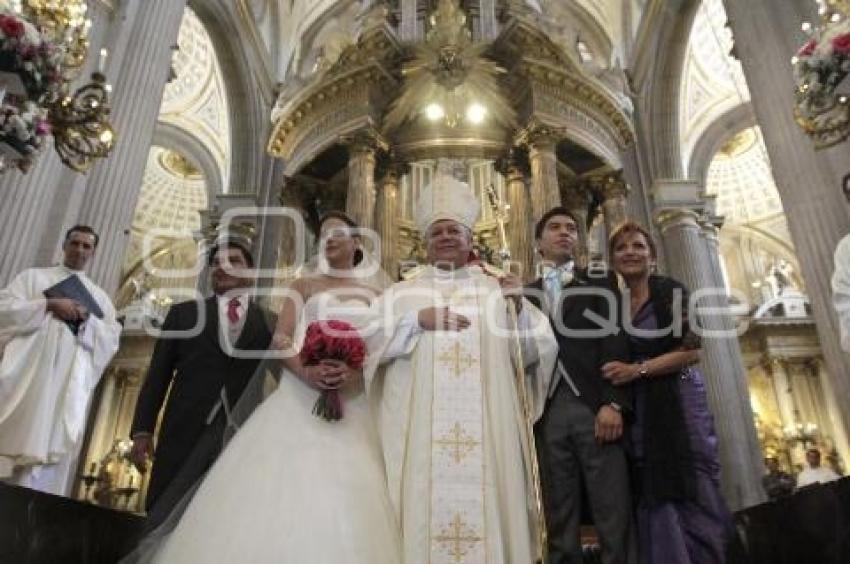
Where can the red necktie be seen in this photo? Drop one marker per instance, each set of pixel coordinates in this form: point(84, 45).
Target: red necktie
point(233, 310)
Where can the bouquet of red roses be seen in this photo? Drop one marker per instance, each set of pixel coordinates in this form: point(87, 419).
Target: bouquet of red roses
point(332, 340)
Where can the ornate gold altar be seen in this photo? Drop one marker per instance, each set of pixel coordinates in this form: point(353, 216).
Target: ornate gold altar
point(517, 112)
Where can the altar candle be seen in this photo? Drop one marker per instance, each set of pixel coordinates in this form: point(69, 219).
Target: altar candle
point(101, 65)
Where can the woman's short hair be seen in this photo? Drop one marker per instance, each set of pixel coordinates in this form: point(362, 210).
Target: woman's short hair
point(346, 219)
point(629, 227)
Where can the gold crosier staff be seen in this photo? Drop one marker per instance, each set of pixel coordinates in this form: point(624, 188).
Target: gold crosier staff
point(529, 445)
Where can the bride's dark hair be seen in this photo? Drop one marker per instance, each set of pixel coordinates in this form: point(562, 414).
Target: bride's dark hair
point(346, 219)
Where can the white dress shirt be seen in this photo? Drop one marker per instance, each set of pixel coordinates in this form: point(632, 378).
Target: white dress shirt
point(227, 330)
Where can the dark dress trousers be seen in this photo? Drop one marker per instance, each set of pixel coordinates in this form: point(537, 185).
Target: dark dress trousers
point(571, 460)
point(199, 371)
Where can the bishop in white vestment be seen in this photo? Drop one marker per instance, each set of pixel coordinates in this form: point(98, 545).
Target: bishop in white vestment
point(47, 373)
point(449, 414)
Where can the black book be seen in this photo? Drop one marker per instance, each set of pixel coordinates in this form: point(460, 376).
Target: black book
point(74, 289)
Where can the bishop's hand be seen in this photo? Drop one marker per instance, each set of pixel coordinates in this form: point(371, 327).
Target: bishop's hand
point(511, 285)
point(441, 319)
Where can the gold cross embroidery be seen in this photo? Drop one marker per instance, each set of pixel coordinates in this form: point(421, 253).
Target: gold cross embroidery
point(453, 357)
point(457, 538)
point(458, 443)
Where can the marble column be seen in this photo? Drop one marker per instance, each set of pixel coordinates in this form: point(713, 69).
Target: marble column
point(270, 224)
point(691, 262)
point(614, 192)
point(577, 200)
point(62, 210)
point(489, 27)
point(767, 34)
point(776, 367)
point(387, 214)
point(409, 29)
point(24, 199)
point(113, 188)
point(545, 193)
point(360, 200)
point(520, 226)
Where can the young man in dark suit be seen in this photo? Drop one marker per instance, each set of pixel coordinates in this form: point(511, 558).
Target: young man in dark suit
point(579, 437)
point(205, 374)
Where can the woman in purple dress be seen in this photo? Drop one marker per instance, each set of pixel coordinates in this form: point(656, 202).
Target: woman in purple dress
point(681, 516)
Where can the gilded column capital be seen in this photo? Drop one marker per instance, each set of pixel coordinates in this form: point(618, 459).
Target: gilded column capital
point(389, 169)
point(290, 192)
point(610, 186)
point(514, 163)
point(576, 197)
point(673, 218)
point(540, 137)
point(711, 232)
point(364, 141)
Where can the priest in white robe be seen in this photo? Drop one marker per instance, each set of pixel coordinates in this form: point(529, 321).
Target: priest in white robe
point(841, 290)
point(48, 373)
point(450, 416)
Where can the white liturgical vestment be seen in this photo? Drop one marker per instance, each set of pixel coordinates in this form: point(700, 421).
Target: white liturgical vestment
point(47, 376)
point(451, 424)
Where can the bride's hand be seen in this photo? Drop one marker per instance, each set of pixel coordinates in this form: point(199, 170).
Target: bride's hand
point(349, 377)
point(322, 376)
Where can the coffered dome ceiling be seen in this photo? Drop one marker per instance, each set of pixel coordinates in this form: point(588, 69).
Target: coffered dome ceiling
point(713, 81)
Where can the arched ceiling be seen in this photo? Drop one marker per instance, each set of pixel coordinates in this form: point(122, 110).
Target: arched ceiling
point(282, 26)
point(713, 81)
point(174, 190)
point(741, 178)
point(173, 193)
point(195, 99)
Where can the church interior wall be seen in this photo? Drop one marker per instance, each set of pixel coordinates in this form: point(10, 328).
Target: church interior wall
point(265, 47)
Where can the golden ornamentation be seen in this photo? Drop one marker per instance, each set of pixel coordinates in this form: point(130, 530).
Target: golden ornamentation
point(78, 121)
point(458, 538)
point(451, 71)
point(739, 143)
point(64, 22)
point(179, 165)
point(457, 357)
point(457, 443)
point(337, 102)
point(820, 109)
point(80, 125)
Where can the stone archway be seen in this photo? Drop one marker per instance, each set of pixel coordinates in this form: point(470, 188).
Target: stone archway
point(184, 142)
point(724, 127)
point(250, 96)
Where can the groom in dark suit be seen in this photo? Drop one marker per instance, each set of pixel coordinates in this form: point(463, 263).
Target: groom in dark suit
point(206, 379)
point(579, 437)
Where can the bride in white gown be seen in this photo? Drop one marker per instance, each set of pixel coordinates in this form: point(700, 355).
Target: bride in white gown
point(292, 487)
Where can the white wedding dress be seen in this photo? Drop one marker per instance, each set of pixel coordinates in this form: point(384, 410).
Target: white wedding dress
point(293, 488)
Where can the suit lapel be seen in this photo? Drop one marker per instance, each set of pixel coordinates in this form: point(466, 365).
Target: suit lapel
point(211, 327)
point(251, 330)
point(570, 302)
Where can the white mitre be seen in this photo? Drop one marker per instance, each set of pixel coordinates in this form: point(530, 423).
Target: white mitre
point(446, 198)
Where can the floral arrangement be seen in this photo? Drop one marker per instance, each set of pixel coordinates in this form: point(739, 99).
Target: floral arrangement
point(31, 78)
point(38, 62)
point(820, 65)
point(332, 340)
point(23, 129)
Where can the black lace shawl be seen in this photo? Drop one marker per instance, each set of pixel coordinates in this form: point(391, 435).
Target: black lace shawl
point(668, 472)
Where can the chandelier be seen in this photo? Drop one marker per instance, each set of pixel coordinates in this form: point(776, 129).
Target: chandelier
point(822, 101)
point(43, 47)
